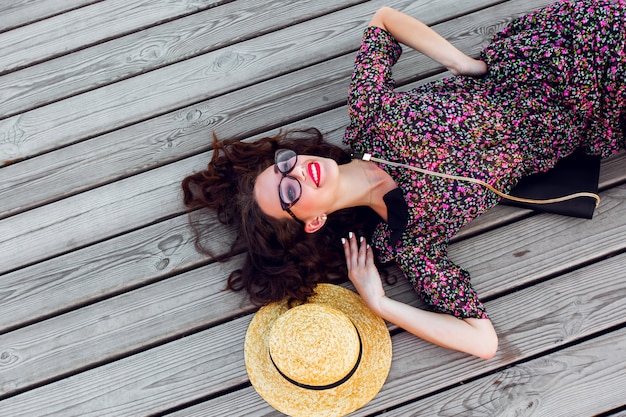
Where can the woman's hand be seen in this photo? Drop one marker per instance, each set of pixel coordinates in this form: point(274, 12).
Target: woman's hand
point(363, 272)
point(469, 66)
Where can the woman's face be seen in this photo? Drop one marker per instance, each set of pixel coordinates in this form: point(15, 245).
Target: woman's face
point(318, 178)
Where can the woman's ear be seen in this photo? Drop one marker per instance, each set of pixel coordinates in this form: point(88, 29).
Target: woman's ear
point(315, 224)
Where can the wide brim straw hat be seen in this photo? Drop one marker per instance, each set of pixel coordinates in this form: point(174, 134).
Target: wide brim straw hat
point(326, 357)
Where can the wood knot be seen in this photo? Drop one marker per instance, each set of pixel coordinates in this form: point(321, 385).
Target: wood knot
point(7, 358)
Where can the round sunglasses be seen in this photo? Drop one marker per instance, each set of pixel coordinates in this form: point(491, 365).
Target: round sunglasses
point(289, 188)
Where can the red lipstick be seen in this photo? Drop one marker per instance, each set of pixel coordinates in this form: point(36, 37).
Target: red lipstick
point(314, 173)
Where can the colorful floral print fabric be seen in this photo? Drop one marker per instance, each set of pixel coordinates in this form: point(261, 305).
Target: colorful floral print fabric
point(556, 82)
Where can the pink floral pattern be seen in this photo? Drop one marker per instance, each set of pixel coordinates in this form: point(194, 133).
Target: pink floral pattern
point(556, 82)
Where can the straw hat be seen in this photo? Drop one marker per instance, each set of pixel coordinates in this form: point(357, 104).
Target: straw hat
point(327, 357)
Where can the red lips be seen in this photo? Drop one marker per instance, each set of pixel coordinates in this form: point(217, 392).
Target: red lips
point(314, 172)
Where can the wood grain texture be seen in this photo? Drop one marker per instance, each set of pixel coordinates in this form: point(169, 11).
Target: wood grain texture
point(17, 13)
point(89, 217)
point(577, 381)
point(101, 332)
point(75, 29)
point(147, 382)
point(549, 309)
point(108, 268)
point(154, 47)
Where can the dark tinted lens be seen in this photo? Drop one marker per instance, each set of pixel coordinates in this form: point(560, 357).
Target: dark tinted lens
point(285, 160)
point(290, 190)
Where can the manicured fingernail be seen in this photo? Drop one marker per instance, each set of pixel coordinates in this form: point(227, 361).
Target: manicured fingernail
point(350, 235)
point(368, 246)
point(361, 239)
point(343, 241)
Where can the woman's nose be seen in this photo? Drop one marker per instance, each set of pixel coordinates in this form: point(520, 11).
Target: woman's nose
point(299, 172)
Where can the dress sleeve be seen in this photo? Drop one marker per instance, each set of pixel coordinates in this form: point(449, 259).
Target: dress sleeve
point(444, 285)
point(371, 78)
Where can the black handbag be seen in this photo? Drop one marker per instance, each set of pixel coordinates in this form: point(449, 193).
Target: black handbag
point(576, 173)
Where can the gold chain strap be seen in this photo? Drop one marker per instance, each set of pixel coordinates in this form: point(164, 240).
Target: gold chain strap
point(369, 157)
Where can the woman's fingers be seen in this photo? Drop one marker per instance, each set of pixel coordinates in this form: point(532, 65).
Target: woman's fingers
point(349, 249)
point(362, 251)
point(362, 270)
point(355, 251)
point(370, 255)
point(346, 252)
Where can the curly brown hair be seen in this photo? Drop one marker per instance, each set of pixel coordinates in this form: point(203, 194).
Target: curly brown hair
point(282, 260)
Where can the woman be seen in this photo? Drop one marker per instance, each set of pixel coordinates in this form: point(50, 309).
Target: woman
point(551, 82)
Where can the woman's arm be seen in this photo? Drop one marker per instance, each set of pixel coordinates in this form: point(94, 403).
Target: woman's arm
point(417, 35)
point(474, 336)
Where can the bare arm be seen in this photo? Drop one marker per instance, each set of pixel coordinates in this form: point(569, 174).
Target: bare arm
point(417, 35)
point(474, 336)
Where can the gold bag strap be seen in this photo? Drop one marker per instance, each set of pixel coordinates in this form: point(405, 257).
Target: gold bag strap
point(369, 157)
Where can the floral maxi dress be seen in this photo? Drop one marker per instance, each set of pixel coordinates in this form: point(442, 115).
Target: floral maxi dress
point(556, 82)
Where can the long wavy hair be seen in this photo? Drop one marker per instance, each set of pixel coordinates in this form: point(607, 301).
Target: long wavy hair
point(282, 260)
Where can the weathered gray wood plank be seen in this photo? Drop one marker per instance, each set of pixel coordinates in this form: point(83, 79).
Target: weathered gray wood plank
point(137, 293)
point(110, 267)
point(119, 326)
point(91, 216)
point(21, 12)
point(581, 380)
point(240, 403)
point(148, 49)
point(145, 383)
point(88, 25)
point(117, 314)
point(179, 304)
point(179, 85)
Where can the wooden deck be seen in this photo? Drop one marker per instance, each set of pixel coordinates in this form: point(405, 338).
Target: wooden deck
point(106, 309)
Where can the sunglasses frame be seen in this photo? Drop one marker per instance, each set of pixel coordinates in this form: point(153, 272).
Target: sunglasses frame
point(287, 206)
